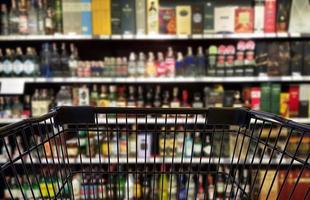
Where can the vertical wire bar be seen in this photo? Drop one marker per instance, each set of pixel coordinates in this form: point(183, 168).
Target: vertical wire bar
point(127, 152)
point(76, 129)
point(260, 161)
point(201, 155)
point(268, 166)
point(240, 151)
point(298, 178)
point(163, 164)
point(154, 165)
point(231, 166)
point(98, 146)
point(173, 153)
point(14, 168)
point(280, 162)
point(292, 161)
point(191, 158)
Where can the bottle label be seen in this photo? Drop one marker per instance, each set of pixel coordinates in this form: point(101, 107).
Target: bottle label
point(29, 67)
point(7, 67)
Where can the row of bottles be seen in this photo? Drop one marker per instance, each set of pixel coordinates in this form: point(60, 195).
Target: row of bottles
point(222, 60)
point(33, 17)
point(134, 186)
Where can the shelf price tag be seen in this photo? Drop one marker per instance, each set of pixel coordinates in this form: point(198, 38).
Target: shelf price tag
point(12, 86)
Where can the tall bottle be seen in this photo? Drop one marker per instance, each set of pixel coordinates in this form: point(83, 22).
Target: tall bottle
point(32, 18)
point(4, 26)
point(190, 68)
point(23, 18)
point(132, 65)
point(150, 66)
point(163, 184)
point(14, 18)
point(141, 64)
point(40, 18)
point(170, 63)
point(200, 63)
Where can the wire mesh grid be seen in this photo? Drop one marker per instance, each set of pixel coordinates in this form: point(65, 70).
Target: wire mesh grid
point(122, 153)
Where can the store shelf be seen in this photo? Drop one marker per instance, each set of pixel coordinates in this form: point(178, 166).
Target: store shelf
point(154, 37)
point(152, 160)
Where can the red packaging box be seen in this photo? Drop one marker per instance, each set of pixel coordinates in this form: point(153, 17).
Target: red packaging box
point(270, 16)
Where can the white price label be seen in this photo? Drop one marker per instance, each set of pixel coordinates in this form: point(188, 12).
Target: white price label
point(12, 86)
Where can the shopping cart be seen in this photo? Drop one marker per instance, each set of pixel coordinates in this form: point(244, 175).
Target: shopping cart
point(133, 153)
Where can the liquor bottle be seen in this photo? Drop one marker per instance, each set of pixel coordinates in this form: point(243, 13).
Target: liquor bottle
point(129, 185)
point(184, 103)
point(200, 63)
point(141, 65)
point(166, 100)
point(150, 66)
point(14, 18)
point(40, 18)
point(58, 16)
point(197, 103)
point(4, 26)
point(132, 65)
point(32, 18)
point(120, 186)
point(157, 99)
point(48, 21)
point(175, 103)
point(121, 100)
point(207, 146)
point(112, 96)
point(55, 61)
point(197, 145)
point(64, 60)
point(18, 64)
point(220, 186)
point(103, 98)
point(160, 65)
point(73, 60)
point(132, 97)
point(191, 188)
point(46, 56)
point(189, 61)
point(163, 184)
point(140, 100)
point(188, 145)
point(179, 65)
point(23, 18)
point(8, 63)
point(210, 187)
point(170, 63)
point(201, 193)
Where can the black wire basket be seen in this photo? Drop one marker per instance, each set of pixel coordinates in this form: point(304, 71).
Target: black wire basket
point(133, 153)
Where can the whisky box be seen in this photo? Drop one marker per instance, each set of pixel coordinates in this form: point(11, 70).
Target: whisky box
point(275, 98)
point(255, 98)
point(86, 24)
point(244, 20)
point(116, 17)
point(306, 59)
point(152, 21)
point(167, 20)
point(284, 104)
point(259, 16)
point(283, 13)
point(265, 97)
point(128, 17)
point(140, 17)
point(299, 16)
point(72, 21)
point(297, 53)
point(270, 16)
point(294, 100)
point(184, 15)
point(224, 19)
point(197, 19)
point(101, 17)
point(304, 94)
point(268, 184)
point(208, 16)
